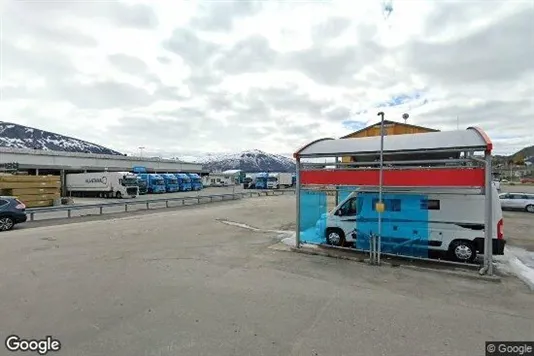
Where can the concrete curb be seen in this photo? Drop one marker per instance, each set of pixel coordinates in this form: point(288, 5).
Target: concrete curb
point(471, 274)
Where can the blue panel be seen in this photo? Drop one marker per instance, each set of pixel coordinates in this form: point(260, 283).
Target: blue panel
point(313, 206)
point(405, 225)
point(344, 192)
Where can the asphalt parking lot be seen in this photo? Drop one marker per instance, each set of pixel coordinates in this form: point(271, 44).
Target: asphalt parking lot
point(183, 283)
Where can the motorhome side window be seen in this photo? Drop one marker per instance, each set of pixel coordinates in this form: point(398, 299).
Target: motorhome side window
point(430, 204)
point(390, 204)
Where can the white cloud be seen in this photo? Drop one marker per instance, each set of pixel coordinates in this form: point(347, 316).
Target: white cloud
point(185, 77)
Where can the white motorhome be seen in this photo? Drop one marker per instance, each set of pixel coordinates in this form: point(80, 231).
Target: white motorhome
point(279, 180)
point(220, 180)
point(447, 223)
point(103, 184)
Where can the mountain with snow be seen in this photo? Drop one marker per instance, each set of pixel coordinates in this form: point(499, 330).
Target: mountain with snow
point(19, 136)
point(248, 161)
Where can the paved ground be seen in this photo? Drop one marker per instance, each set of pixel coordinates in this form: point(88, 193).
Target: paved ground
point(182, 283)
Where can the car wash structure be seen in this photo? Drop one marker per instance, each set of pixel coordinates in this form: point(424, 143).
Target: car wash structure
point(420, 196)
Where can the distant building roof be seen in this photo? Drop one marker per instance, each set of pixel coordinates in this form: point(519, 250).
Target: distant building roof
point(232, 171)
point(389, 122)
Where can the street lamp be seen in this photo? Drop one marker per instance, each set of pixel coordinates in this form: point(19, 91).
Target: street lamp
point(380, 205)
point(141, 148)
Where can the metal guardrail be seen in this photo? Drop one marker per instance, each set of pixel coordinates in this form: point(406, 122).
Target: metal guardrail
point(198, 198)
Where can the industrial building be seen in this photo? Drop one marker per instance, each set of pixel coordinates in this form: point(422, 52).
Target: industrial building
point(39, 162)
point(390, 128)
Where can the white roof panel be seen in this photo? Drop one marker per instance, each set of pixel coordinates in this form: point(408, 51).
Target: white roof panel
point(470, 139)
point(232, 171)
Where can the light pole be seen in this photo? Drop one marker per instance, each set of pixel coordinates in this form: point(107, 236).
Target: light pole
point(141, 148)
point(380, 205)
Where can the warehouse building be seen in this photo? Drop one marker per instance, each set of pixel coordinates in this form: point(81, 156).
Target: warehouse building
point(43, 162)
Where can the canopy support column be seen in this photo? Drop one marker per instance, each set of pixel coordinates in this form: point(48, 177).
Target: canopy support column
point(297, 194)
point(488, 228)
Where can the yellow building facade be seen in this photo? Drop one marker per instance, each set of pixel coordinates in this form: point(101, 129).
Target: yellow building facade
point(390, 128)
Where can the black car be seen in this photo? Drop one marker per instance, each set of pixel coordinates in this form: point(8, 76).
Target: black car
point(12, 211)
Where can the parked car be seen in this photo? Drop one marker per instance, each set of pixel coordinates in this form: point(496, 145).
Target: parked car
point(12, 212)
point(517, 201)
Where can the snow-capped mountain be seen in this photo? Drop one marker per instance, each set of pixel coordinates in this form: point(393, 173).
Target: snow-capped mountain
point(247, 161)
point(19, 136)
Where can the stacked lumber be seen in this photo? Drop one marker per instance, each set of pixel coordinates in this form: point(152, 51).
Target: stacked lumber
point(34, 191)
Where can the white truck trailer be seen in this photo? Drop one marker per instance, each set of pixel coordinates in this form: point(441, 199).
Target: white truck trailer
point(279, 180)
point(103, 184)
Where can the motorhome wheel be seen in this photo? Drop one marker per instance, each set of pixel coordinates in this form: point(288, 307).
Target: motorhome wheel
point(462, 251)
point(335, 237)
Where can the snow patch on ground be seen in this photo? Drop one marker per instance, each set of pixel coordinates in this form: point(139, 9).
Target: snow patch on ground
point(286, 237)
point(519, 262)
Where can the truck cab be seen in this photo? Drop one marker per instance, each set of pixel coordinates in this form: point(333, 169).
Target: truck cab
point(171, 182)
point(142, 184)
point(196, 181)
point(156, 183)
point(272, 181)
point(260, 181)
point(447, 225)
point(129, 185)
point(184, 182)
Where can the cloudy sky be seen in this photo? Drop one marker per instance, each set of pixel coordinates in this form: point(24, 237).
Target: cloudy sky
point(184, 77)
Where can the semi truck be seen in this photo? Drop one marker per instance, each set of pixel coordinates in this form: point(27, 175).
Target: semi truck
point(279, 180)
point(141, 182)
point(249, 180)
point(102, 184)
point(196, 181)
point(260, 182)
point(171, 182)
point(184, 182)
point(155, 182)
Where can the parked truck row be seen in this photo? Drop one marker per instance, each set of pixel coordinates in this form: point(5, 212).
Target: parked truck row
point(130, 184)
point(264, 180)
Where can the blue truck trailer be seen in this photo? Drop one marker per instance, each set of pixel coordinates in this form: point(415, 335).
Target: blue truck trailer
point(171, 182)
point(196, 181)
point(184, 182)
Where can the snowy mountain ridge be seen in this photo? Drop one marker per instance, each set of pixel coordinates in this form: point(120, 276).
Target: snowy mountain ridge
point(19, 136)
point(247, 161)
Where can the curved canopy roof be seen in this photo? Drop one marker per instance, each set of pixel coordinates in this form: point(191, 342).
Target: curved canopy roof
point(472, 139)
